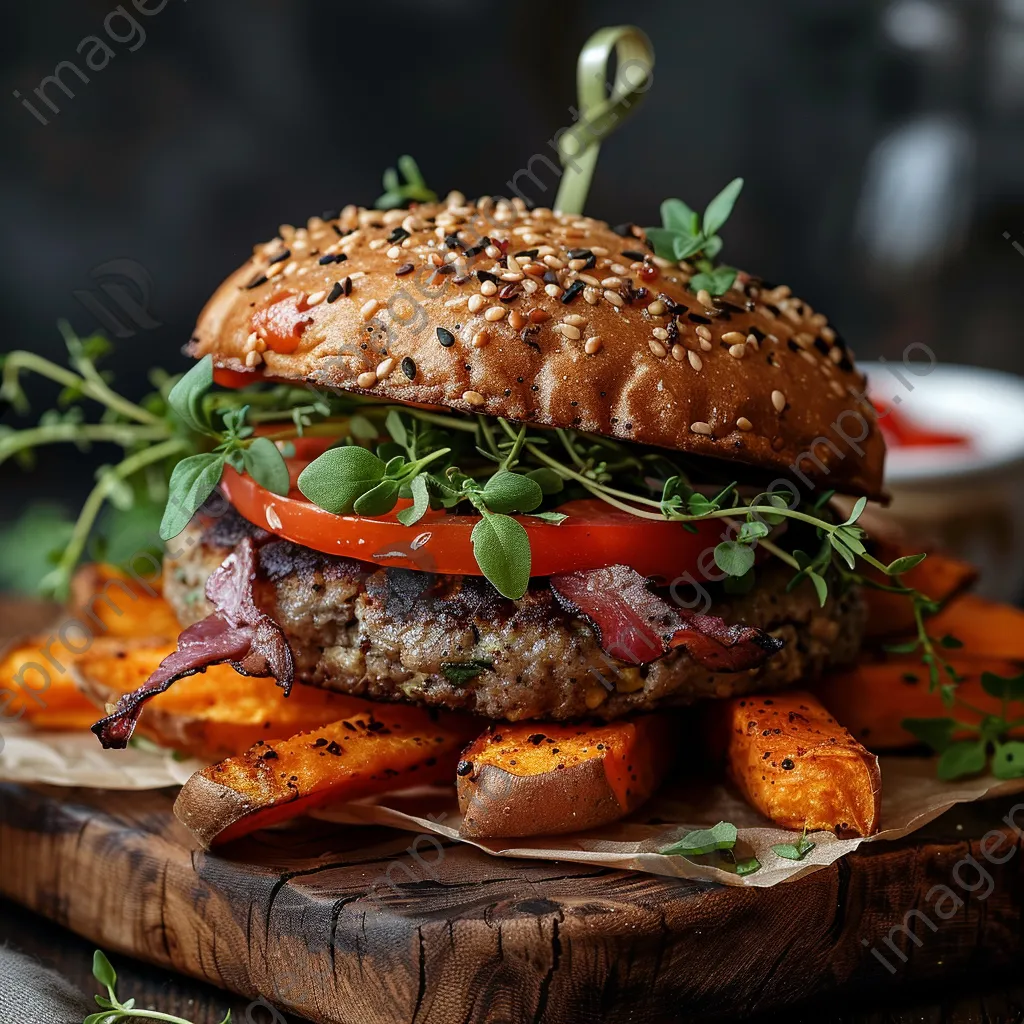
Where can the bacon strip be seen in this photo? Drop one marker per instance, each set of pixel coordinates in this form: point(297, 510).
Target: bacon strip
point(236, 632)
point(636, 626)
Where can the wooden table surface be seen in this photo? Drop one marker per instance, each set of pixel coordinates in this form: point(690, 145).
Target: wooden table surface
point(987, 1000)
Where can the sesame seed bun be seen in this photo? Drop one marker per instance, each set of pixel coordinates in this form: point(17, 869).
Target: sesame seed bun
point(556, 320)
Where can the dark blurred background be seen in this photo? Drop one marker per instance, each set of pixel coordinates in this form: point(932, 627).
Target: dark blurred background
point(882, 142)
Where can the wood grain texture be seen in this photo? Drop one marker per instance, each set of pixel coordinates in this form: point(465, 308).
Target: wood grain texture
point(347, 926)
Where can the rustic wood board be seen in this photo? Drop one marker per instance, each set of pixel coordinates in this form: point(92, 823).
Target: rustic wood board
point(307, 919)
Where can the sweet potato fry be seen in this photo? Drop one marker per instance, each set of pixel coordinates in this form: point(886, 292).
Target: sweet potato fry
point(213, 714)
point(874, 697)
point(939, 576)
point(36, 687)
point(110, 603)
point(540, 779)
point(985, 628)
point(391, 748)
point(798, 766)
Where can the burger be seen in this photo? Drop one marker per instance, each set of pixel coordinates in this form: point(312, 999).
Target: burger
point(513, 463)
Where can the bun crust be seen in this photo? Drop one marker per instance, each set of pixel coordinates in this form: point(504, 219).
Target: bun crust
point(552, 319)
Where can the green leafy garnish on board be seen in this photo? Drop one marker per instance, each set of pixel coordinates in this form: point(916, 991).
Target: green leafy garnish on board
point(686, 235)
point(112, 1010)
point(797, 850)
point(720, 840)
point(400, 193)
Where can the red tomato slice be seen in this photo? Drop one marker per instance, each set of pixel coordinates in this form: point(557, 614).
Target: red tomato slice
point(594, 535)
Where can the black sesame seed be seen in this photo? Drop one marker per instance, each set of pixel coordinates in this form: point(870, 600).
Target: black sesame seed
point(696, 318)
point(405, 268)
point(282, 255)
point(625, 230)
point(571, 292)
point(580, 254)
point(347, 285)
point(409, 368)
point(532, 253)
point(336, 292)
point(464, 768)
point(473, 250)
point(444, 269)
point(445, 337)
point(256, 281)
point(550, 277)
point(632, 254)
point(486, 275)
point(792, 345)
point(398, 234)
point(452, 241)
point(821, 345)
point(758, 333)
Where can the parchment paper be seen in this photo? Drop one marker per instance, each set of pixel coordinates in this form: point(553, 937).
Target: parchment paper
point(911, 797)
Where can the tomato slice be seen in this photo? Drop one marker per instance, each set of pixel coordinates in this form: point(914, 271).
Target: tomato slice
point(594, 535)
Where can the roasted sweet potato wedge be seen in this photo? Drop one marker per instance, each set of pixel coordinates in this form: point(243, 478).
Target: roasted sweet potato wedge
point(390, 748)
point(940, 576)
point(539, 779)
point(110, 603)
point(42, 688)
point(213, 714)
point(986, 629)
point(798, 766)
point(873, 698)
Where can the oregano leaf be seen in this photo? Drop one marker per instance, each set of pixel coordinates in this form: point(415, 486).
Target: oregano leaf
point(502, 550)
point(192, 482)
point(266, 465)
point(420, 501)
point(334, 480)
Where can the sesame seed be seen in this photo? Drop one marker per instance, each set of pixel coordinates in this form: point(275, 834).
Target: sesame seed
point(656, 308)
point(733, 338)
point(737, 351)
point(611, 282)
point(476, 303)
point(516, 320)
point(568, 331)
point(704, 298)
point(571, 292)
point(473, 397)
point(480, 339)
point(828, 334)
point(592, 296)
point(256, 281)
point(539, 316)
point(657, 348)
point(488, 288)
point(409, 368)
point(554, 262)
point(445, 337)
point(530, 286)
point(701, 428)
point(250, 342)
point(346, 285)
point(752, 340)
point(315, 298)
point(703, 333)
point(553, 290)
point(253, 358)
point(778, 400)
point(378, 243)
point(366, 380)
point(836, 355)
point(575, 320)
point(593, 346)
point(394, 252)
point(695, 360)
point(614, 298)
point(369, 308)
point(495, 313)
point(660, 333)
point(705, 346)
point(385, 367)
point(618, 268)
point(577, 264)
point(744, 424)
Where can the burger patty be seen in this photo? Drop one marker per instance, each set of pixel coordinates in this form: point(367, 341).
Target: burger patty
point(454, 641)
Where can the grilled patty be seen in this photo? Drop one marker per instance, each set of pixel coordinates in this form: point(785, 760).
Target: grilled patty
point(454, 641)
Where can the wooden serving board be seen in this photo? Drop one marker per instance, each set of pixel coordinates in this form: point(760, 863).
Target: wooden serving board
point(344, 925)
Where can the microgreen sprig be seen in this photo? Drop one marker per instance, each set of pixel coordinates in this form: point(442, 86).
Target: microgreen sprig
point(398, 193)
point(686, 235)
point(112, 1010)
point(720, 841)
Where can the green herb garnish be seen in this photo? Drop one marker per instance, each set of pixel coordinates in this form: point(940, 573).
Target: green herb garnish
point(990, 746)
point(685, 235)
point(797, 850)
point(113, 1010)
point(720, 840)
point(458, 673)
point(398, 193)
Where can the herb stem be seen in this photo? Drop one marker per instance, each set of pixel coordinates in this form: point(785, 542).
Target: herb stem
point(95, 388)
point(58, 578)
point(783, 556)
point(123, 434)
